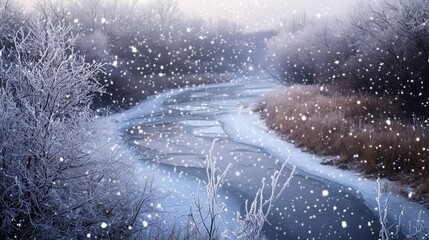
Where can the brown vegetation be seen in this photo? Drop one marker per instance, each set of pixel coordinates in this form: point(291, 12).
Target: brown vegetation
point(366, 132)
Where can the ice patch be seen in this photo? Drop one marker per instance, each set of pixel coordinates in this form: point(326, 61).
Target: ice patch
point(200, 94)
point(212, 132)
point(194, 108)
point(200, 123)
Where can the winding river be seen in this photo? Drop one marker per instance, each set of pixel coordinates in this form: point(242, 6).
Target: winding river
point(175, 130)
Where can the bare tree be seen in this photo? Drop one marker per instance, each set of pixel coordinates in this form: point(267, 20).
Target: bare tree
point(10, 16)
point(309, 54)
point(392, 42)
point(228, 30)
point(53, 10)
point(167, 12)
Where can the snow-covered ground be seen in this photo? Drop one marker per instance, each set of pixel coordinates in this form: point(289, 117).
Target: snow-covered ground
point(245, 126)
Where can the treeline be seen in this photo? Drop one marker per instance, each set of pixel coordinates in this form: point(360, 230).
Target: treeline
point(140, 41)
point(380, 47)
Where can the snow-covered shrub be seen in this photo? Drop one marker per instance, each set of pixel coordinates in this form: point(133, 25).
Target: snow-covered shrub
point(392, 231)
point(206, 220)
point(54, 181)
point(253, 221)
point(94, 46)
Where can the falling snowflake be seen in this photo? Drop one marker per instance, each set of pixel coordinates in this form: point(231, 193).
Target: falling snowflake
point(325, 193)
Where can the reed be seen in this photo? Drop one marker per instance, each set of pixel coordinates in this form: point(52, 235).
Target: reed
point(366, 132)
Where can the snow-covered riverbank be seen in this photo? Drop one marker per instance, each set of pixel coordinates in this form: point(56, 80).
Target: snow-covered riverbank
point(399, 207)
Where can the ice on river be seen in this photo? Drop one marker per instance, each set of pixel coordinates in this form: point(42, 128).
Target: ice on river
point(213, 132)
point(194, 108)
point(201, 123)
point(176, 190)
point(244, 126)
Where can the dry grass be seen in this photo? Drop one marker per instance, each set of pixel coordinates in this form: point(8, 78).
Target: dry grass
point(366, 132)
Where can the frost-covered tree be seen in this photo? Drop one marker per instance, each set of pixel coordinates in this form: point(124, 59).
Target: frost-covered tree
point(10, 19)
point(55, 11)
point(95, 47)
point(392, 42)
point(381, 47)
point(142, 41)
point(54, 181)
point(45, 97)
point(308, 51)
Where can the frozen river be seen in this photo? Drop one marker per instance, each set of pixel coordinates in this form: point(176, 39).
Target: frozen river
point(175, 130)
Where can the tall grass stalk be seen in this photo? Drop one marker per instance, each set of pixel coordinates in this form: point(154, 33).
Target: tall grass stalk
point(257, 214)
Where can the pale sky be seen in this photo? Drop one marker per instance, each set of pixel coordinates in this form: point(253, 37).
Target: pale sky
point(263, 14)
point(259, 14)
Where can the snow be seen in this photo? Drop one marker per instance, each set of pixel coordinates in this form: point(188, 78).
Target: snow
point(103, 225)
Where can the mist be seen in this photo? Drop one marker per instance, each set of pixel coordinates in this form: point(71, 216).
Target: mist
point(262, 15)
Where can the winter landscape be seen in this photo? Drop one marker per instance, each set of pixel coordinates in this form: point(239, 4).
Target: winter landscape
point(186, 119)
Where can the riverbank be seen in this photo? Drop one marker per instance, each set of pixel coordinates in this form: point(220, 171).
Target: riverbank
point(363, 133)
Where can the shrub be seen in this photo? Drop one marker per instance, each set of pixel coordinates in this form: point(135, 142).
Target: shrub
point(54, 181)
